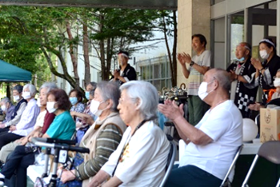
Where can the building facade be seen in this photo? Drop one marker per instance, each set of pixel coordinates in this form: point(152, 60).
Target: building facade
point(225, 23)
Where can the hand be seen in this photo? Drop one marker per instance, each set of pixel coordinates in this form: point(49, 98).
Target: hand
point(255, 106)
point(256, 63)
point(171, 110)
point(19, 140)
point(116, 74)
point(24, 141)
point(233, 75)
point(13, 128)
point(2, 125)
point(37, 134)
point(67, 176)
point(88, 120)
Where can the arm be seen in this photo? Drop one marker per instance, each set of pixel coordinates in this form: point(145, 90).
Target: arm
point(18, 116)
point(182, 61)
point(99, 178)
point(187, 131)
point(113, 182)
point(107, 142)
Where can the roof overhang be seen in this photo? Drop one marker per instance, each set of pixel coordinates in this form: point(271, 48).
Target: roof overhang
point(133, 4)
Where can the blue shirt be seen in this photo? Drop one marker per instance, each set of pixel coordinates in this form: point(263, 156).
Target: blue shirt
point(62, 127)
point(9, 114)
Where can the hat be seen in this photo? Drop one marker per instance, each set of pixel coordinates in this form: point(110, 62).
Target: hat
point(123, 53)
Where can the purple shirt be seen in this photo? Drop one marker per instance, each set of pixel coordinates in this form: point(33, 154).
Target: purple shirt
point(28, 118)
point(9, 113)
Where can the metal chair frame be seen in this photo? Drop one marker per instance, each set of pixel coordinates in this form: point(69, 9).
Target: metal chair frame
point(270, 151)
point(170, 162)
point(232, 165)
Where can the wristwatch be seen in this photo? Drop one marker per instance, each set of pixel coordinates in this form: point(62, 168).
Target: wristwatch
point(192, 63)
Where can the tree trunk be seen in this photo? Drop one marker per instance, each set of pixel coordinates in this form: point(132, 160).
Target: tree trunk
point(86, 54)
point(72, 55)
point(174, 52)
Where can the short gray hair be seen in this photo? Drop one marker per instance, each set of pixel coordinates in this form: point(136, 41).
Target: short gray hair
point(146, 93)
point(110, 90)
point(6, 100)
point(223, 78)
point(49, 85)
point(31, 88)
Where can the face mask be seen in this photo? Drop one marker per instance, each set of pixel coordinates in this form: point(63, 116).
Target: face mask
point(73, 100)
point(26, 95)
point(16, 98)
point(94, 107)
point(38, 102)
point(276, 82)
point(3, 108)
point(240, 59)
point(50, 107)
point(202, 90)
point(264, 55)
point(87, 95)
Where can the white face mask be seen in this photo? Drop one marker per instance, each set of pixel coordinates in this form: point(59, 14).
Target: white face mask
point(16, 98)
point(264, 55)
point(202, 90)
point(26, 95)
point(94, 107)
point(38, 102)
point(50, 107)
point(276, 82)
point(3, 108)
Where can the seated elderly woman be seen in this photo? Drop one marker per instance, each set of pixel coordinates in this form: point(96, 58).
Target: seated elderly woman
point(62, 127)
point(19, 108)
point(27, 120)
point(85, 119)
point(102, 138)
point(141, 157)
point(8, 108)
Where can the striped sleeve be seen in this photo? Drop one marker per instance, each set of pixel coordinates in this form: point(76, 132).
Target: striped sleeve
point(107, 143)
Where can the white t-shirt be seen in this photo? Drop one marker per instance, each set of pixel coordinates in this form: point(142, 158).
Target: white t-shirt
point(195, 78)
point(224, 125)
point(144, 160)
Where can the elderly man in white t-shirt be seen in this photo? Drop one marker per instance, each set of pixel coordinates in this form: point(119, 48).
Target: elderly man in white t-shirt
point(213, 142)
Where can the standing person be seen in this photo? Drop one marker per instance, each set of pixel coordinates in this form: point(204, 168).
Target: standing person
point(194, 71)
point(8, 108)
point(20, 106)
point(213, 142)
point(266, 70)
point(126, 72)
point(242, 75)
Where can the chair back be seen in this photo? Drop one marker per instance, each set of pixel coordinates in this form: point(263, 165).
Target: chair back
point(232, 165)
point(271, 151)
point(170, 162)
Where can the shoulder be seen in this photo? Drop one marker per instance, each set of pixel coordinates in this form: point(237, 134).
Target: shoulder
point(151, 130)
point(227, 110)
point(207, 52)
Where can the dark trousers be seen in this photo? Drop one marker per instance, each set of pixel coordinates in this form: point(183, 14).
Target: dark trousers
point(17, 164)
point(196, 108)
point(191, 176)
point(7, 137)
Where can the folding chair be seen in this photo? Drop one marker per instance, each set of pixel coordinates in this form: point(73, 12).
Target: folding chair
point(271, 152)
point(170, 161)
point(226, 181)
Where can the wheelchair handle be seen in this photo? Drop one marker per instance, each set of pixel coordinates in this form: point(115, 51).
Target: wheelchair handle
point(54, 140)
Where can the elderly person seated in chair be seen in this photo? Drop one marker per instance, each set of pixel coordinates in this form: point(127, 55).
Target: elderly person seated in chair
point(62, 127)
point(213, 142)
point(102, 138)
point(141, 157)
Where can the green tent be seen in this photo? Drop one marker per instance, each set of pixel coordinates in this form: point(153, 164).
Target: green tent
point(11, 73)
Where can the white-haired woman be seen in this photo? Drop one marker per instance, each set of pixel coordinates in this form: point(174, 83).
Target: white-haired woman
point(141, 157)
point(27, 120)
